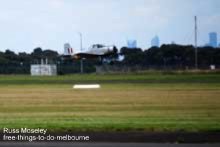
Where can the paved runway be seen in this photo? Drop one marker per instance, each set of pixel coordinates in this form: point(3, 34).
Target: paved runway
point(55, 144)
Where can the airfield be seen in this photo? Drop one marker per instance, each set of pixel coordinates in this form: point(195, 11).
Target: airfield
point(144, 102)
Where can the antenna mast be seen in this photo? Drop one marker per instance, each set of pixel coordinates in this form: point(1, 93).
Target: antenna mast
point(196, 50)
point(81, 60)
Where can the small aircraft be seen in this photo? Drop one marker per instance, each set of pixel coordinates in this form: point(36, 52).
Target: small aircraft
point(95, 51)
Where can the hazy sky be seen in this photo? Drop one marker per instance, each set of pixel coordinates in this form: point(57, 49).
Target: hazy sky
point(27, 24)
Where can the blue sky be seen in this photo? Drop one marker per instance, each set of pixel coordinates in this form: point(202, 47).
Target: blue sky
point(27, 24)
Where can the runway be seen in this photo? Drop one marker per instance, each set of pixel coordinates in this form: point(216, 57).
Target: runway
point(56, 144)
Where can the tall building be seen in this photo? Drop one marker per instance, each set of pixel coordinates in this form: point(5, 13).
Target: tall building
point(131, 43)
point(173, 42)
point(213, 39)
point(155, 42)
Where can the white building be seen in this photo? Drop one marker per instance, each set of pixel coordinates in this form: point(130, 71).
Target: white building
point(43, 69)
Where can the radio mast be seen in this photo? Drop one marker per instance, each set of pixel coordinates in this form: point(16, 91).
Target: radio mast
point(196, 50)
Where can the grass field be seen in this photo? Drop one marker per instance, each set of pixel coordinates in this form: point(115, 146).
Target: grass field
point(143, 102)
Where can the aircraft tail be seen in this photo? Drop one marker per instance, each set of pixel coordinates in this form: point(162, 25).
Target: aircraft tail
point(68, 50)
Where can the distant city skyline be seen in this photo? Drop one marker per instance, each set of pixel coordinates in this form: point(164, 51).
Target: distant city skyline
point(155, 42)
point(131, 43)
point(213, 41)
point(27, 24)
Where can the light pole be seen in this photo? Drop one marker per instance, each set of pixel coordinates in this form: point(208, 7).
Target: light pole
point(81, 60)
point(196, 50)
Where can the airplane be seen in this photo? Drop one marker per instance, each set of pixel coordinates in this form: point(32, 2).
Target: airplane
point(95, 51)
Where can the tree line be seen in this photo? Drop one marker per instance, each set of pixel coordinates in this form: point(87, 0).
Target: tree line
point(172, 57)
point(169, 56)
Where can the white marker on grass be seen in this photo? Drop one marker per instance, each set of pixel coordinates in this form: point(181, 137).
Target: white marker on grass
point(86, 86)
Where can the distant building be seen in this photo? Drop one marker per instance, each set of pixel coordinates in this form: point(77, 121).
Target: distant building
point(213, 39)
point(131, 43)
point(155, 42)
point(173, 42)
point(43, 69)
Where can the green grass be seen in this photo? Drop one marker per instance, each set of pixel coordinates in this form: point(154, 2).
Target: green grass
point(111, 78)
point(142, 102)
